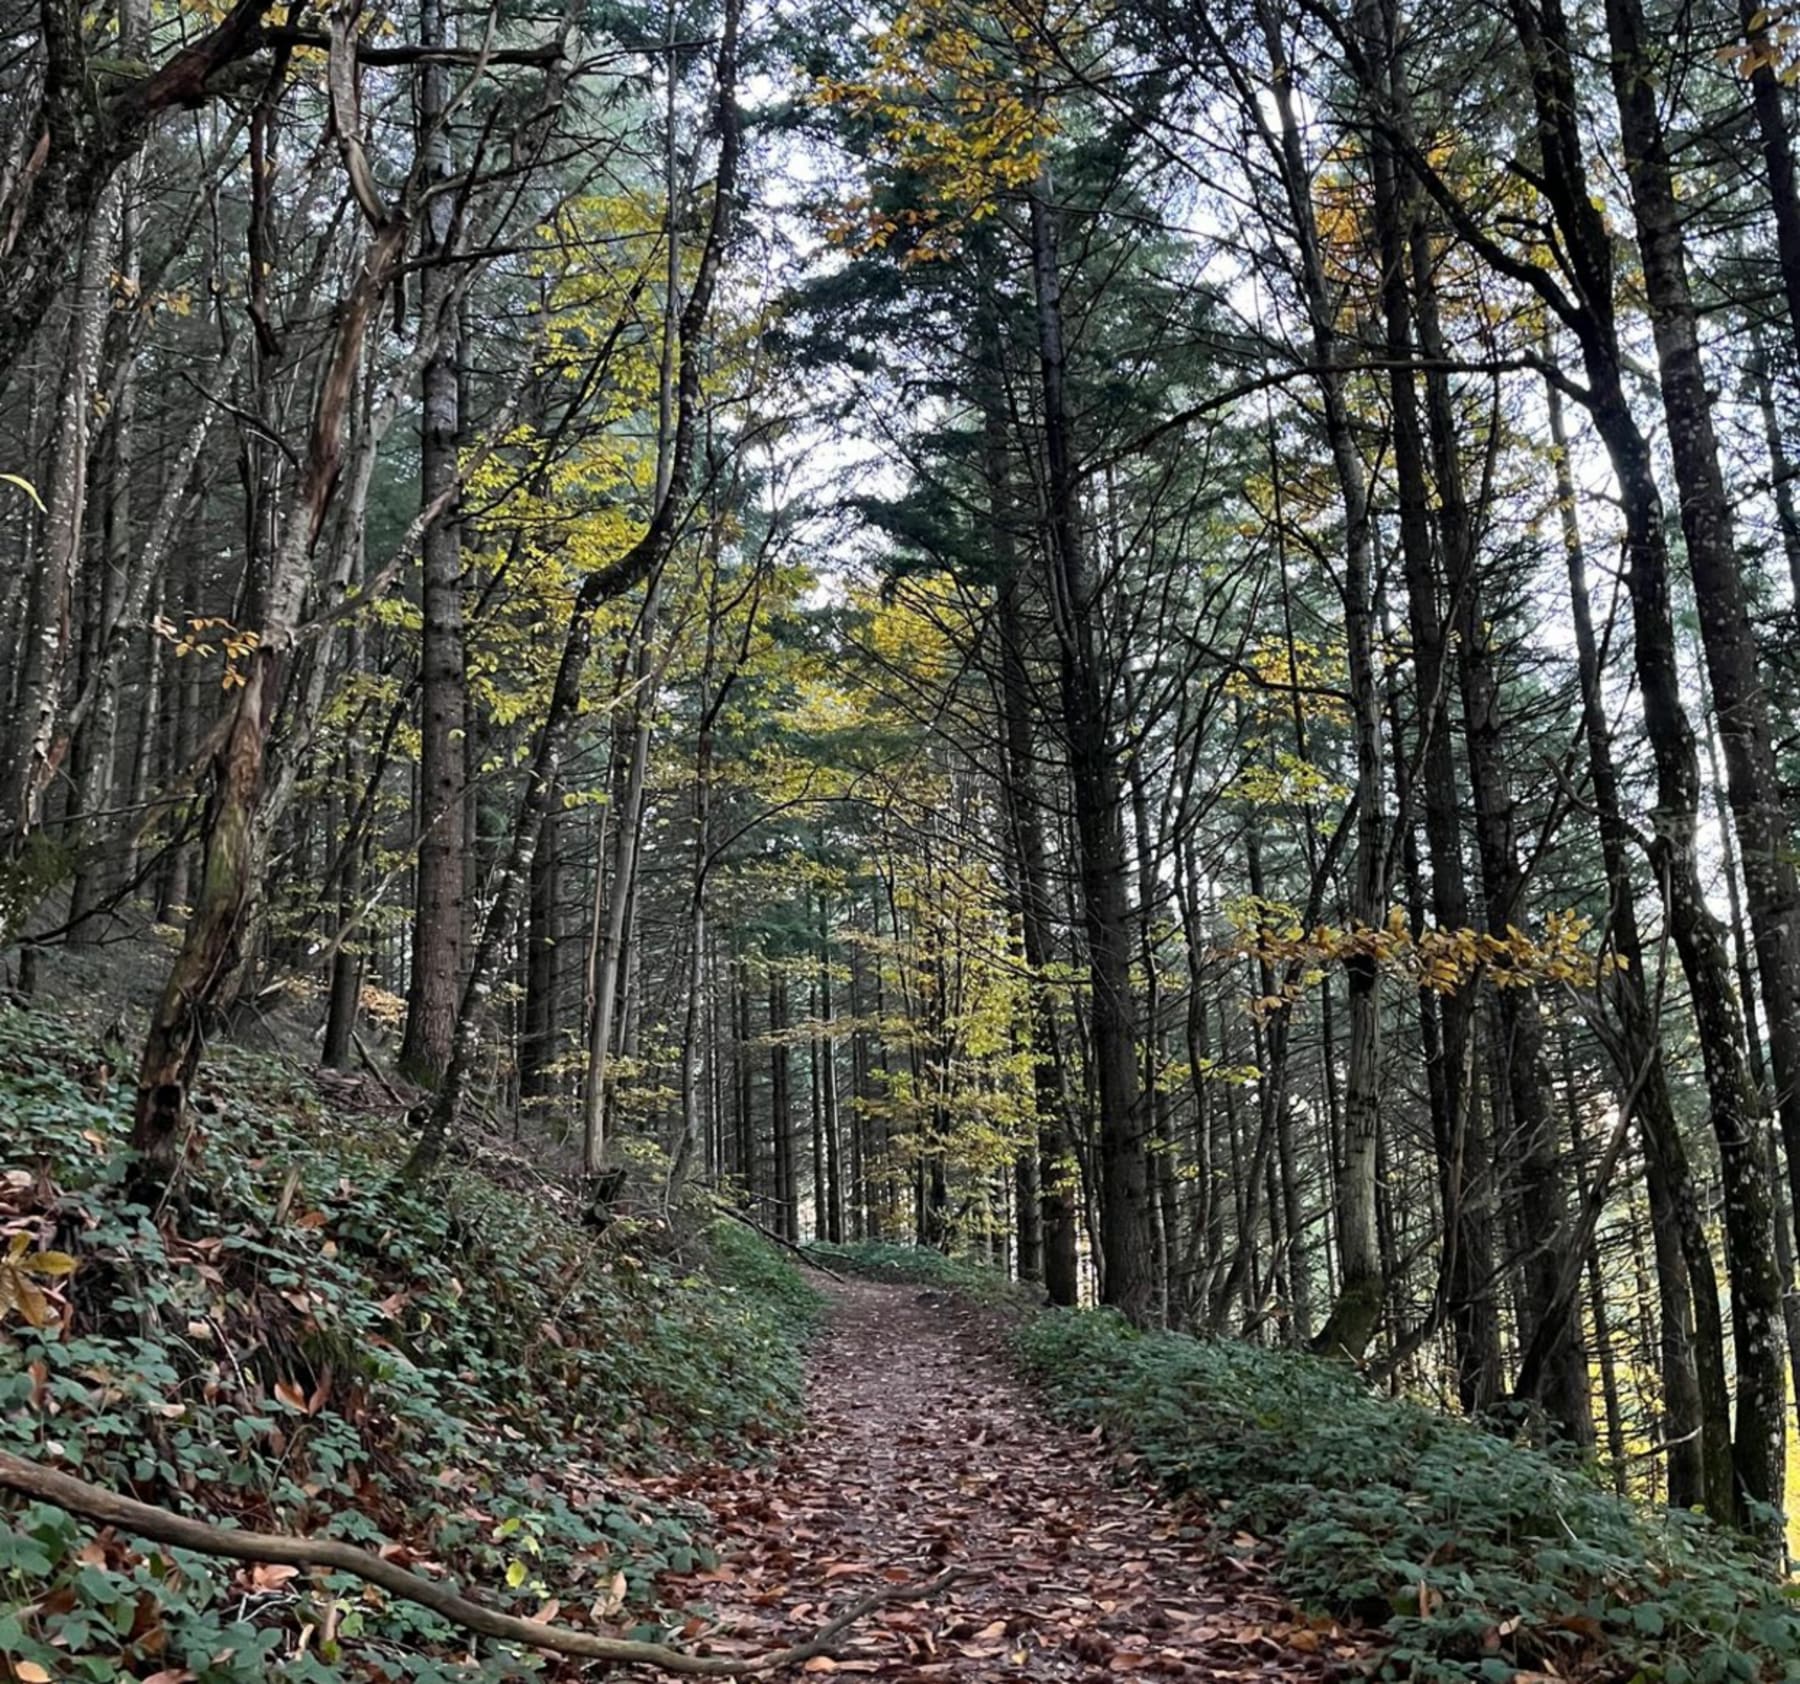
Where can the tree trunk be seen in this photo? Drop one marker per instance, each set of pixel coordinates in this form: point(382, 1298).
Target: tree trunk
point(1127, 1280)
point(439, 911)
point(1696, 1400)
point(1731, 658)
point(209, 945)
point(31, 761)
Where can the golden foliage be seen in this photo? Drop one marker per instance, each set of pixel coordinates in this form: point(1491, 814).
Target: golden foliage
point(955, 94)
point(1444, 961)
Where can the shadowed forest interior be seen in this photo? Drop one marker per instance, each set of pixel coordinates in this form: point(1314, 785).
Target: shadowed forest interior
point(1152, 647)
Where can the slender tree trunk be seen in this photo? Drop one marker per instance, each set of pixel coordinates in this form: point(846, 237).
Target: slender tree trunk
point(1124, 1192)
point(621, 883)
point(440, 914)
point(1781, 467)
point(1696, 1398)
point(1731, 657)
point(781, 1110)
point(543, 970)
point(1768, 100)
point(30, 760)
point(1356, 1313)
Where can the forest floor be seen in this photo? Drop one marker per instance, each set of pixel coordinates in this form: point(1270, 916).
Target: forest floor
point(922, 1452)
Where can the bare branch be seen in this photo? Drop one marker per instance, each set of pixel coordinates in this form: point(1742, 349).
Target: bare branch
point(146, 1520)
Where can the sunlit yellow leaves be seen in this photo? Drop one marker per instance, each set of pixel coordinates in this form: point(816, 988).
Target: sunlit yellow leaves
point(955, 94)
point(205, 635)
point(1287, 780)
point(1772, 41)
point(1444, 961)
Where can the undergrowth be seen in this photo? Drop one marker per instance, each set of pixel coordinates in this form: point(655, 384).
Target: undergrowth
point(917, 1265)
point(1478, 1557)
point(463, 1378)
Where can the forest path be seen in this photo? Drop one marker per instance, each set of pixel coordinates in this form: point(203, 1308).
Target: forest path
point(922, 1451)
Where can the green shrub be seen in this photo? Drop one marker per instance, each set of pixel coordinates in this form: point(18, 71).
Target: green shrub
point(1478, 1557)
point(461, 1372)
point(918, 1265)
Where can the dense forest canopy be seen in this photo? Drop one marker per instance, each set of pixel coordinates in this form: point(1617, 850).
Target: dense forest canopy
point(1156, 642)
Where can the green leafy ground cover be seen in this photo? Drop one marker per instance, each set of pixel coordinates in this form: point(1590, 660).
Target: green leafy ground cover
point(1477, 1557)
point(463, 1379)
point(915, 1265)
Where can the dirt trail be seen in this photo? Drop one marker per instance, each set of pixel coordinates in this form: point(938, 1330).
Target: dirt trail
point(922, 1451)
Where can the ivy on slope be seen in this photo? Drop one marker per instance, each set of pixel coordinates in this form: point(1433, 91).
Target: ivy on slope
point(462, 1379)
point(1481, 1558)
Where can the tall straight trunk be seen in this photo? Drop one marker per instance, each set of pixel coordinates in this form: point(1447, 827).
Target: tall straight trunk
point(693, 1049)
point(743, 1083)
point(1165, 1217)
point(1617, 1470)
point(612, 955)
point(1770, 885)
point(175, 888)
point(30, 761)
point(439, 910)
point(781, 1111)
point(344, 988)
point(1769, 101)
point(1781, 466)
point(1556, 1377)
point(1052, 1252)
point(1356, 1313)
point(855, 1114)
point(1474, 1326)
point(815, 1106)
point(96, 734)
point(1204, 1258)
point(543, 969)
point(1740, 950)
point(1128, 1275)
point(1736, 1111)
point(1691, 1346)
point(827, 1074)
point(1275, 1103)
point(621, 883)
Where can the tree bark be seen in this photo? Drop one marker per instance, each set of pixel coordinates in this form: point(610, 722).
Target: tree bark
point(439, 912)
point(1731, 657)
point(1696, 1398)
point(1128, 1278)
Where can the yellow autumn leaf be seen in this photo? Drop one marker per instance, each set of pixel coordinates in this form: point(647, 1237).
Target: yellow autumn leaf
point(25, 485)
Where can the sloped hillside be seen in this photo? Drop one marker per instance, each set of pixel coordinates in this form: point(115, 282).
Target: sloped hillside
point(465, 1380)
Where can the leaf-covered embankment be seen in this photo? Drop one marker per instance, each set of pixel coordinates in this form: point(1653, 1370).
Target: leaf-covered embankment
point(465, 1380)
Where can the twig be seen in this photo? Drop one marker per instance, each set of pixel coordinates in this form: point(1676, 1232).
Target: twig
point(373, 1069)
point(145, 1520)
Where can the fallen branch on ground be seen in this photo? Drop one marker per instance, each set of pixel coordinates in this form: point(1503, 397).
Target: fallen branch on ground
point(799, 1251)
point(145, 1520)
